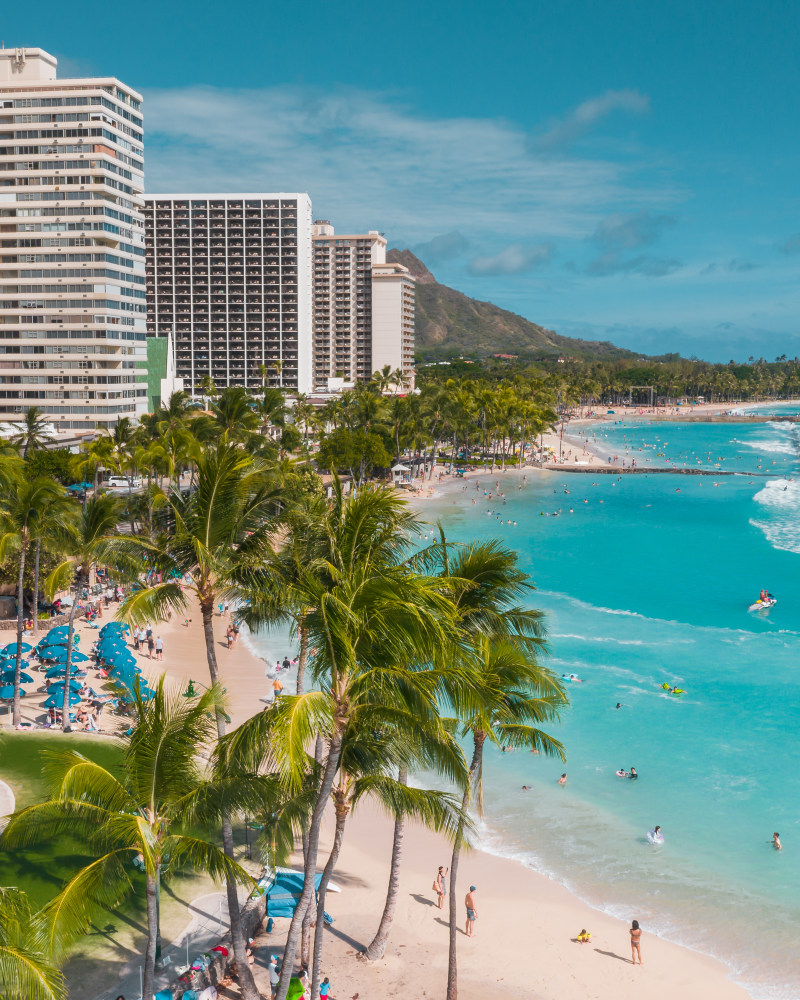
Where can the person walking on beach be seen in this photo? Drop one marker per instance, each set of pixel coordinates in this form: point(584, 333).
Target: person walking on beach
point(159, 648)
point(636, 937)
point(151, 644)
point(274, 975)
point(440, 885)
point(472, 911)
point(277, 687)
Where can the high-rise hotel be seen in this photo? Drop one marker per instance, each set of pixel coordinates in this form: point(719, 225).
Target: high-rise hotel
point(72, 274)
point(230, 276)
point(363, 308)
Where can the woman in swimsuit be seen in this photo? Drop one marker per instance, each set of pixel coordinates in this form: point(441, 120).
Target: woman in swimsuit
point(636, 936)
point(440, 885)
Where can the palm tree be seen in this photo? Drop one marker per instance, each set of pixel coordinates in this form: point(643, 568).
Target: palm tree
point(378, 743)
point(224, 522)
point(26, 971)
point(149, 809)
point(518, 696)
point(92, 538)
point(22, 518)
point(49, 534)
point(32, 431)
point(363, 610)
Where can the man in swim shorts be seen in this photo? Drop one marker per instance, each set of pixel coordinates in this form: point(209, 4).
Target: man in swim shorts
point(472, 911)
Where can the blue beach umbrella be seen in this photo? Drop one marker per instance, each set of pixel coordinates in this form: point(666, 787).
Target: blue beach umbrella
point(11, 648)
point(74, 685)
point(59, 655)
point(53, 702)
point(59, 671)
point(7, 692)
point(7, 677)
point(11, 664)
point(113, 628)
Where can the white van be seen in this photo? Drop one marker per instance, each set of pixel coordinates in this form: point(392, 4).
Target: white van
point(115, 482)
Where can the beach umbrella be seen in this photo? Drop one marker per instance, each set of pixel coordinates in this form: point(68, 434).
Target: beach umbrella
point(53, 702)
point(113, 628)
point(74, 685)
point(11, 648)
point(11, 664)
point(59, 655)
point(61, 672)
point(7, 677)
point(7, 692)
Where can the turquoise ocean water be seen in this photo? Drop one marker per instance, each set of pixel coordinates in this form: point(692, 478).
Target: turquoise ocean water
point(646, 579)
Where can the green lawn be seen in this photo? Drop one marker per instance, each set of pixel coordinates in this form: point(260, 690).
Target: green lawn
point(41, 871)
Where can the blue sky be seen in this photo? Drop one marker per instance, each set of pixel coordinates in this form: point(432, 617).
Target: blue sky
point(624, 171)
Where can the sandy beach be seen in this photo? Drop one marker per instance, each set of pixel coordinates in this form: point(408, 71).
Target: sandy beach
point(526, 924)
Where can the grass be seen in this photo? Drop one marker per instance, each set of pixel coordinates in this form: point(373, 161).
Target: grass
point(41, 871)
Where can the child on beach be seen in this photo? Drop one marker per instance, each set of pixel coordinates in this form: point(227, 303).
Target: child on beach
point(584, 937)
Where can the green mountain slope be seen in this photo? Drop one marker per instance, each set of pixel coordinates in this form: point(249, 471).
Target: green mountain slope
point(450, 323)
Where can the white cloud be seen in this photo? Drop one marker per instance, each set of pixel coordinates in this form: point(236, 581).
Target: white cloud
point(515, 259)
point(371, 162)
point(563, 133)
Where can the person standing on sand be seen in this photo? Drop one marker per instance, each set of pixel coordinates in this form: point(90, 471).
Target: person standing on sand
point(636, 937)
point(277, 687)
point(440, 885)
point(472, 911)
point(159, 648)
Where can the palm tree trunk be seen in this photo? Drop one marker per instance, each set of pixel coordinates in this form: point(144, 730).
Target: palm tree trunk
point(20, 615)
point(152, 936)
point(342, 809)
point(246, 982)
point(301, 660)
point(377, 945)
point(452, 963)
point(68, 671)
point(36, 589)
point(308, 916)
point(290, 951)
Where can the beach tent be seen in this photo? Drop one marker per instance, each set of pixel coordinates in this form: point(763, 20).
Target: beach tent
point(283, 890)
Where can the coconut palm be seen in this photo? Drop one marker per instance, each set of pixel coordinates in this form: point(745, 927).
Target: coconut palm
point(366, 608)
point(26, 971)
point(518, 697)
point(224, 523)
point(22, 516)
point(378, 742)
point(91, 538)
point(148, 810)
point(33, 431)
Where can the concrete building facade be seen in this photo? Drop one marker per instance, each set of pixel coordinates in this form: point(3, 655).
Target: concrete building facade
point(72, 275)
point(229, 275)
point(361, 308)
point(393, 312)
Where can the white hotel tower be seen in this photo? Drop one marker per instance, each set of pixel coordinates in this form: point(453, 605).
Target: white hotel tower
point(72, 276)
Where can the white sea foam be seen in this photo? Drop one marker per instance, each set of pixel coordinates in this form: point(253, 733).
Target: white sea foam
point(780, 500)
